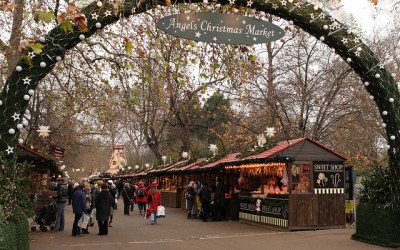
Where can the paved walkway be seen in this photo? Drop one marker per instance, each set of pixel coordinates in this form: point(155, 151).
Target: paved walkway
point(177, 232)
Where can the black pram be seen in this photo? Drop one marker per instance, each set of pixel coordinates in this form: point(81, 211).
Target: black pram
point(46, 217)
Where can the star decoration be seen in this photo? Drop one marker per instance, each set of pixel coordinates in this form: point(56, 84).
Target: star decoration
point(249, 3)
point(283, 2)
point(133, 10)
point(95, 16)
point(274, 6)
point(15, 116)
point(254, 38)
point(357, 53)
point(244, 21)
point(270, 131)
point(312, 16)
point(107, 13)
point(31, 54)
point(197, 34)
point(10, 150)
point(322, 16)
point(111, 1)
point(356, 40)
point(232, 2)
point(345, 40)
point(214, 39)
point(381, 66)
point(26, 80)
point(43, 131)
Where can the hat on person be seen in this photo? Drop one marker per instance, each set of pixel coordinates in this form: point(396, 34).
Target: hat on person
point(110, 181)
point(154, 184)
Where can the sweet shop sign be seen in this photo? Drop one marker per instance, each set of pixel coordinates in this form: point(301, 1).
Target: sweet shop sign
point(220, 28)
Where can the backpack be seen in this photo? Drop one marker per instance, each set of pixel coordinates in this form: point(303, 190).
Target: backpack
point(140, 192)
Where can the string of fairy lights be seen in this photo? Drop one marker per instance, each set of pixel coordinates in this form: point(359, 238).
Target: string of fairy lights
point(319, 18)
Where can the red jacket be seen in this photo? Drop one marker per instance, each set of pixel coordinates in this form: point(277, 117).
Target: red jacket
point(155, 201)
point(143, 199)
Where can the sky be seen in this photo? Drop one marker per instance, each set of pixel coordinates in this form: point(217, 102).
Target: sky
point(368, 16)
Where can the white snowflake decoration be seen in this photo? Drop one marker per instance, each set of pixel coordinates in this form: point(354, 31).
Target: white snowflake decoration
point(44, 131)
point(270, 131)
point(261, 140)
point(185, 154)
point(213, 148)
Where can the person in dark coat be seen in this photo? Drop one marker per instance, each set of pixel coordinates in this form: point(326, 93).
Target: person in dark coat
point(190, 198)
point(78, 208)
point(104, 201)
point(127, 197)
point(61, 199)
point(205, 199)
point(219, 200)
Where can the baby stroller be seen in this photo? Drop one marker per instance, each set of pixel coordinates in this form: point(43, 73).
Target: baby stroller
point(46, 217)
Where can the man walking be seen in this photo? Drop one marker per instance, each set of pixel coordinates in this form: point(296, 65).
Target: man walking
point(78, 208)
point(61, 199)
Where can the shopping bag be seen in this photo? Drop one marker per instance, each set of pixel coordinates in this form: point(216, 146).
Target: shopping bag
point(160, 211)
point(147, 214)
point(85, 220)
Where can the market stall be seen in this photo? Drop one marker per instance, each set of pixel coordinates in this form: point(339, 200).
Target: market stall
point(298, 184)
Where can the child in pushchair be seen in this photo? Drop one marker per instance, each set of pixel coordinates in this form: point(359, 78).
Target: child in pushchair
point(46, 217)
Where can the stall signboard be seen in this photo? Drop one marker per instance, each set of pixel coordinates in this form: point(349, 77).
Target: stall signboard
point(248, 206)
point(57, 151)
point(328, 175)
point(220, 28)
point(276, 208)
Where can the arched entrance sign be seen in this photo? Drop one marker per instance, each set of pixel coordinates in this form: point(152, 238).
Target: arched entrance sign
point(378, 81)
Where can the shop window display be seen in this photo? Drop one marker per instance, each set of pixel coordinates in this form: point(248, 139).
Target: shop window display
point(301, 177)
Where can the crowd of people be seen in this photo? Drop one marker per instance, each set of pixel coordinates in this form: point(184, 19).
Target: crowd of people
point(97, 201)
point(205, 201)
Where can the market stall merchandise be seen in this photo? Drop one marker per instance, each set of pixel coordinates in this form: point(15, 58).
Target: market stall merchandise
point(298, 184)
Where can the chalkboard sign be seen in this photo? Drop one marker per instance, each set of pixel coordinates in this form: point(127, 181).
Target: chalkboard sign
point(275, 208)
point(328, 175)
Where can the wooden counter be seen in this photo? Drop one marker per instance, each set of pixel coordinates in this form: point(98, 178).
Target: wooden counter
point(170, 199)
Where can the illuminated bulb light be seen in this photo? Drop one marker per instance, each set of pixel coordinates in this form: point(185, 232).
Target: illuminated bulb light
point(234, 10)
point(384, 112)
point(371, 97)
point(393, 75)
point(291, 22)
point(82, 37)
point(383, 125)
point(392, 137)
point(391, 100)
point(27, 111)
point(290, 1)
point(349, 32)
point(20, 126)
point(99, 4)
point(316, 7)
point(348, 60)
point(20, 140)
point(18, 68)
point(42, 39)
point(42, 64)
point(262, 14)
point(31, 92)
point(27, 97)
point(205, 1)
point(218, 5)
point(58, 58)
point(209, 7)
point(359, 49)
point(377, 75)
point(366, 84)
point(322, 38)
point(1, 103)
point(325, 27)
point(11, 131)
point(98, 25)
point(387, 146)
